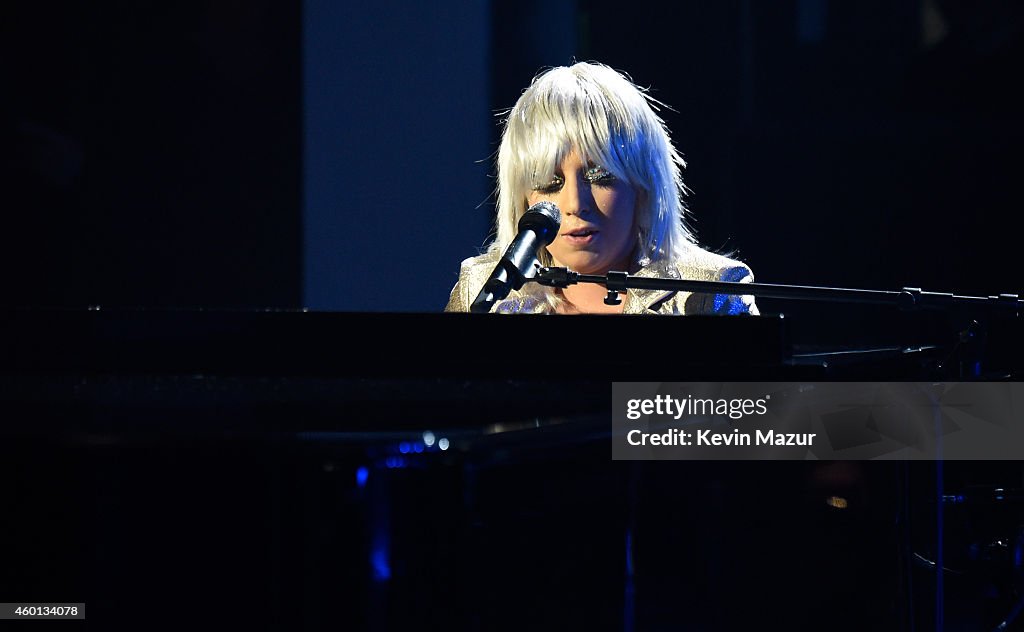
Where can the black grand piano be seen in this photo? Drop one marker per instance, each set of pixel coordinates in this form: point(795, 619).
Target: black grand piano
point(307, 470)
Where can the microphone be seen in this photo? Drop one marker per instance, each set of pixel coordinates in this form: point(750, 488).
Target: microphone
point(537, 227)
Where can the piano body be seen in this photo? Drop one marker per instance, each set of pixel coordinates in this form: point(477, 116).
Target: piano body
point(307, 470)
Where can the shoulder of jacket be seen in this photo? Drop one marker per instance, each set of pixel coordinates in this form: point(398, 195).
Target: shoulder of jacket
point(697, 263)
point(482, 260)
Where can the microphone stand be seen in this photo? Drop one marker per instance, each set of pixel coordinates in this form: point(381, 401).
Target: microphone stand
point(967, 347)
point(906, 298)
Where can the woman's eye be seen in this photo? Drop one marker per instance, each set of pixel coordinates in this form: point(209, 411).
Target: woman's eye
point(550, 187)
point(600, 175)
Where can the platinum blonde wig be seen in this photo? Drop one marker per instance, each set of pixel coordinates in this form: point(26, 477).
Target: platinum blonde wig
point(609, 121)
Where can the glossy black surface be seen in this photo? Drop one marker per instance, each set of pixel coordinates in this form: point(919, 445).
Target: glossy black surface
point(270, 470)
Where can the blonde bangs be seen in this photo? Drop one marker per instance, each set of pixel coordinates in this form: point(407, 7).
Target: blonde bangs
point(567, 112)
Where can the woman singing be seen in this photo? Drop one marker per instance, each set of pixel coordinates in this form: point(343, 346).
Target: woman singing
point(586, 138)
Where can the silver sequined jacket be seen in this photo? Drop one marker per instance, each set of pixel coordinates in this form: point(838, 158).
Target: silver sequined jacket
point(696, 264)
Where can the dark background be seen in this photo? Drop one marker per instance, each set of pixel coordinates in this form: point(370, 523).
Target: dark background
point(283, 155)
point(337, 157)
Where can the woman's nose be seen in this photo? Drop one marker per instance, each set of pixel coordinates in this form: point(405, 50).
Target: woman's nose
point(575, 196)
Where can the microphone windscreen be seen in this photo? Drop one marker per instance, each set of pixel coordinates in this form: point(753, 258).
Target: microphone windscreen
point(544, 218)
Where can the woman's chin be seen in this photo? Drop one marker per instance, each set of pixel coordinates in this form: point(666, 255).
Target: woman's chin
point(590, 267)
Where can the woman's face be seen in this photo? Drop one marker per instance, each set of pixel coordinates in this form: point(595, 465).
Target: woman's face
point(597, 233)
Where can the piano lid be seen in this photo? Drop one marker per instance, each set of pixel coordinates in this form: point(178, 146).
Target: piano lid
point(298, 371)
point(388, 345)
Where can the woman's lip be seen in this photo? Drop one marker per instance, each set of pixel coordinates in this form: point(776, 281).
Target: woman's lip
point(580, 240)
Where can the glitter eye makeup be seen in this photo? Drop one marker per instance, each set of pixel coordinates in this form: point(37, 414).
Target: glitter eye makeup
point(598, 173)
point(554, 185)
point(594, 175)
